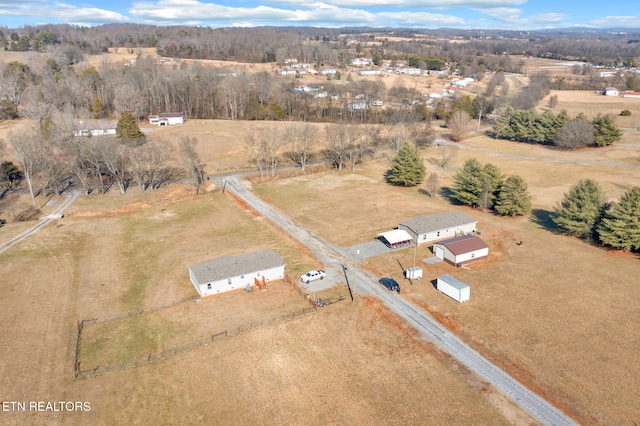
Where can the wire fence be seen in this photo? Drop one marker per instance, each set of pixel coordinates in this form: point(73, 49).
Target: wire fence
point(80, 371)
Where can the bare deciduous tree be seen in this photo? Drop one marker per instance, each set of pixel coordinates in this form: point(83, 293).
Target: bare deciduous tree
point(192, 159)
point(339, 141)
point(431, 184)
point(447, 153)
point(459, 124)
point(29, 149)
point(264, 151)
point(575, 133)
point(302, 138)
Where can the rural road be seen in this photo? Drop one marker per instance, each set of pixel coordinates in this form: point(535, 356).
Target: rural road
point(367, 284)
point(56, 214)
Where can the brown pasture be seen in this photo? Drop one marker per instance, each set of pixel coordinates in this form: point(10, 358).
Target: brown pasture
point(557, 313)
point(352, 363)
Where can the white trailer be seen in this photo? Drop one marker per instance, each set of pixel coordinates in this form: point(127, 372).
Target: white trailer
point(453, 288)
point(413, 273)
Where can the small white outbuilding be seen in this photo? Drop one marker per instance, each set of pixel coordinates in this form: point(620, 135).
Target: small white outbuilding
point(453, 288)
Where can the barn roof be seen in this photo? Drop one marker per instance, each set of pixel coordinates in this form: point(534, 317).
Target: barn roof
point(396, 236)
point(436, 222)
point(224, 267)
point(463, 244)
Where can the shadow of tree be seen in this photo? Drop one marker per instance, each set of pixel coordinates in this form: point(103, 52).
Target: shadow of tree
point(543, 218)
point(446, 192)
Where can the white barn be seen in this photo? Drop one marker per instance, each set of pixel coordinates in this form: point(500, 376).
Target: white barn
point(461, 250)
point(427, 229)
point(611, 91)
point(228, 273)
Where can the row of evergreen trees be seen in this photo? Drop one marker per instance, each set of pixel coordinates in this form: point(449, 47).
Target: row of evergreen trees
point(542, 128)
point(585, 212)
point(485, 186)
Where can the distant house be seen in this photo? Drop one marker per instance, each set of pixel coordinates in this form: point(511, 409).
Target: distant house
point(427, 229)
point(167, 118)
point(460, 250)
point(631, 94)
point(411, 71)
point(360, 62)
point(397, 238)
point(611, 91)
point(328, 71)
point(368, 72)
point(606, 74)
point(228, 273)
point(286, 71)
point(95, 128)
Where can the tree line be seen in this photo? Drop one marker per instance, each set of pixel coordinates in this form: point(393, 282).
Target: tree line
point(559, 129)
point(585, 212)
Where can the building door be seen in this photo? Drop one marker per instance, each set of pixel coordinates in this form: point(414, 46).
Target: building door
point(439, 252)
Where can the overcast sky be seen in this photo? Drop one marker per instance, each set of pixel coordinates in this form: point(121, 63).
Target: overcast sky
point(490, 14)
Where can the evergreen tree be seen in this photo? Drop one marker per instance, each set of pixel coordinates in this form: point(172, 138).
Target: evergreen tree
point(492, 179)
point(128, 130)
point(468, 183)
point(581, 209)
point(620, 227)
point(407, 167)
point(606, 130)
point(513, 198)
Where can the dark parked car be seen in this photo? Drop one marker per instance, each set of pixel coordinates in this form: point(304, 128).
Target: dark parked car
point(390, 283)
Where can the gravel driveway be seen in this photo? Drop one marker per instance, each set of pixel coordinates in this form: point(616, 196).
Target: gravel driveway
point(334, 258)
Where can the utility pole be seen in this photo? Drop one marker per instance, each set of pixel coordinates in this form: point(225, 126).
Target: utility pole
point(355, 274)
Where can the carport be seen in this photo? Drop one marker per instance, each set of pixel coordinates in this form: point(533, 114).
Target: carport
point(397, 238)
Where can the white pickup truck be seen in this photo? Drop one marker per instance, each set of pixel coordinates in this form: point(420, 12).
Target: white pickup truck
point(312, 276)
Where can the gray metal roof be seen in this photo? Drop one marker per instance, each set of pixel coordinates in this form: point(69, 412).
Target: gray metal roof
point(437, 222)
point(453, 282)
point(232, 266)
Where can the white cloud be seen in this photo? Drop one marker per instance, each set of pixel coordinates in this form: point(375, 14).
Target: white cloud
point(504, 14)
point(615, 21)
point(546, 18)
point(182, 10)
point(65, 13)
point(418, 4)
point(403, 19)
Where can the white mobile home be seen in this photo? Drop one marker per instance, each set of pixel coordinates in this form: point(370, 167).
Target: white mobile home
point(427, 229)
point(167, 118)
point(228, 273)
point(453, 288)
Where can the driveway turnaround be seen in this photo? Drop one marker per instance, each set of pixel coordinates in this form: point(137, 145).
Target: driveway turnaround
point(365, 283)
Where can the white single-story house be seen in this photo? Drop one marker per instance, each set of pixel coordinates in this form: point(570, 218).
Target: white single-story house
point(167, 118)
point(95, 128)
point(411, 71)
point(631, 94)
point(460, 250)
point(287, 71)
point(396, 239)
point(328, 71)
point(427, 229)
point(228, 273)
point(611, 91)
point(368, 72)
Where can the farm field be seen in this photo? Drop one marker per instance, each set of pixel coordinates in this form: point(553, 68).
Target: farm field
point(555, 311)
point(308, 369)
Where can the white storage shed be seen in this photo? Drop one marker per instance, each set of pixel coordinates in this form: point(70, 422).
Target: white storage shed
point(453, 288)
point(228, 273)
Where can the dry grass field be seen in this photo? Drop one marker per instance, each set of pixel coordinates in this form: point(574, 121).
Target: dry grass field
point(344, 364)
point(557, 313)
